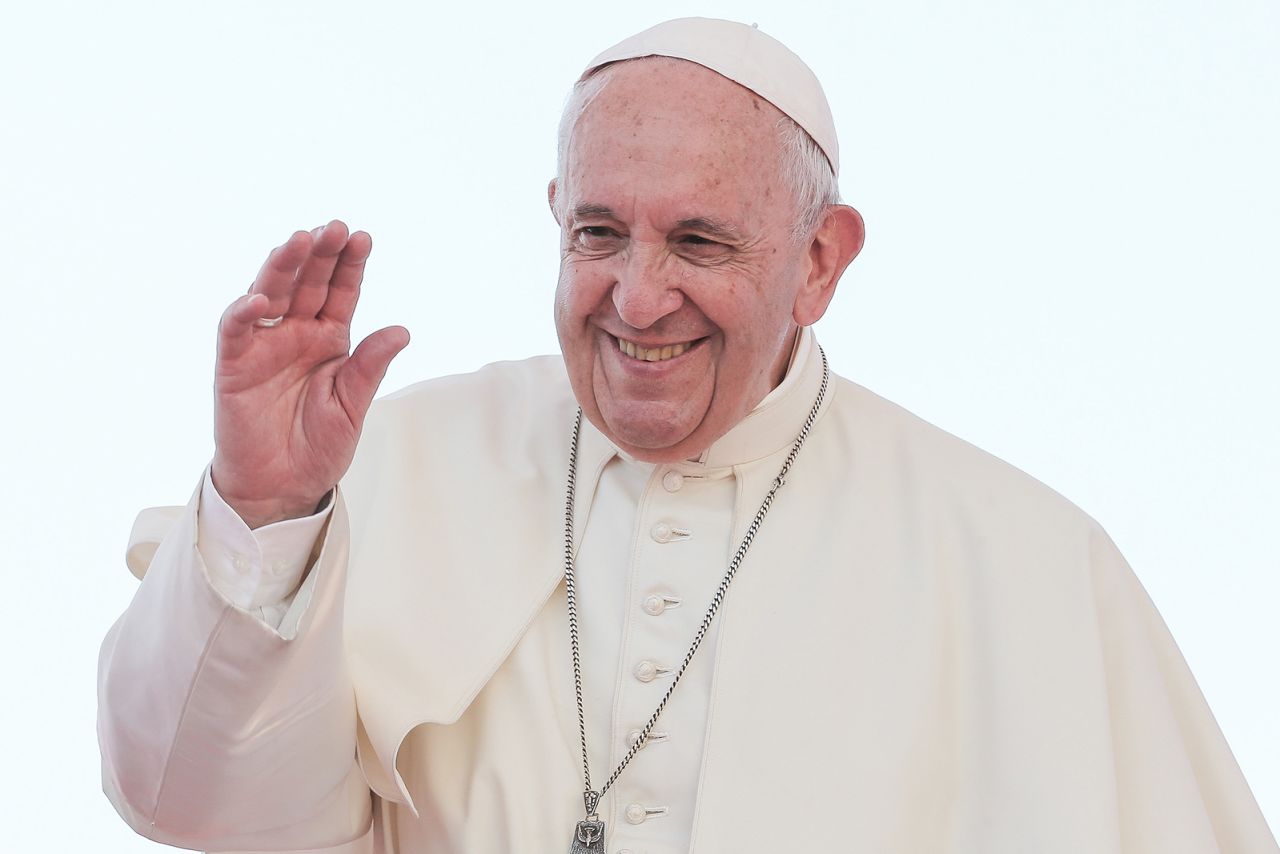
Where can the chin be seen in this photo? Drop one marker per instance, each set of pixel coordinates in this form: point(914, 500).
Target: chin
point(655, 434)
point(648, 438)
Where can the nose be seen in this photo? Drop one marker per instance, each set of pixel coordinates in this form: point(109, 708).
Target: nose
point(647, 288)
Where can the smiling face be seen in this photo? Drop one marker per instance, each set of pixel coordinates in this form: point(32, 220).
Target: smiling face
point(680, 282)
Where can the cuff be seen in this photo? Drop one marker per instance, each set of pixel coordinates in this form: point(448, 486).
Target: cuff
point(254, 568)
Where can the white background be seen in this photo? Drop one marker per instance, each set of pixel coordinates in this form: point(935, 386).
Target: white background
point(1072, 261)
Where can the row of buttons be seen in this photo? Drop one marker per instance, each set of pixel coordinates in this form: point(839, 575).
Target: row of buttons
point(647, 671)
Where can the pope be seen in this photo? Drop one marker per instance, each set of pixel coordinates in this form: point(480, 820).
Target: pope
point(681, 589)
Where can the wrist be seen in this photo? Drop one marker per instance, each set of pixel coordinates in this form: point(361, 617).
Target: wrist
point(260, 512)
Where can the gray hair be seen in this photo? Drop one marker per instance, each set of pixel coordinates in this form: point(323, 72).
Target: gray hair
point(805, 168)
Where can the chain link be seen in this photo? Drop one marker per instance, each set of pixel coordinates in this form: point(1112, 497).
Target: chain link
point(571, 594)
point(592, 797)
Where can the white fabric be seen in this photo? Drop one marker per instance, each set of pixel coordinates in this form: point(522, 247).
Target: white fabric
point(258, 571)
point(746, 56)
point(627, 562)
point(925, 651)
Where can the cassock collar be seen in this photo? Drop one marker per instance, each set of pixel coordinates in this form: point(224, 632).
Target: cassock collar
point(771, 426)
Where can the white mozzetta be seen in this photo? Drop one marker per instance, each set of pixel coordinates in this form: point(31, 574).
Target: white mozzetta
point(925, 650)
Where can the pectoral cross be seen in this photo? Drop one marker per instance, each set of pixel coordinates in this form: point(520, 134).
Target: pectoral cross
point(588, 836)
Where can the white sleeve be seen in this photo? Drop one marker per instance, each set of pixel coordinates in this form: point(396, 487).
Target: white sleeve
point(217, 731)
point(259, 570)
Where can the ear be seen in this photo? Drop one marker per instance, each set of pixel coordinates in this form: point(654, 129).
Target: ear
point(551, 199)
point(837, 241)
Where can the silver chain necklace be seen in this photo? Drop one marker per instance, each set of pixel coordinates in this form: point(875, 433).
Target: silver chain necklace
point(588, 837)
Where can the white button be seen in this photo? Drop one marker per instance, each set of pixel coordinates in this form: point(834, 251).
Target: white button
point(240, 563)
point(654, 605)
point(278, 567)
point(661, 532)
point(654, 736)
point(646, 671)
point(638, 813)
point(672, 481)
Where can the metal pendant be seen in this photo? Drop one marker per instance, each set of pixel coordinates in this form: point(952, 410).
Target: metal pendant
point(588, 838)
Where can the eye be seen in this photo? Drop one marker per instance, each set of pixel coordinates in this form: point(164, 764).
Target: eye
point(698, 246)
point(595, 236)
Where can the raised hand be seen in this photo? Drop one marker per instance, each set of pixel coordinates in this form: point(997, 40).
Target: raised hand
point(290, 398)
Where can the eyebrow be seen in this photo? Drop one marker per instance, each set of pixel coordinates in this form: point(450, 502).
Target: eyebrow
point(706, 225)
point(584, 211)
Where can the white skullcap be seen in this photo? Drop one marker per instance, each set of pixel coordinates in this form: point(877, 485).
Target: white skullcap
point(746, 56)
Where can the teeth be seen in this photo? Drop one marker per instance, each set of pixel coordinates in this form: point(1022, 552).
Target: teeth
point(653, 354)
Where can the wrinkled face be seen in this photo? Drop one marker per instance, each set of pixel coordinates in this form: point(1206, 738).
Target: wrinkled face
point(678, 272)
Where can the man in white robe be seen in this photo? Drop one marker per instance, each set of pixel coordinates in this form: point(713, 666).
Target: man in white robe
point(925, 650)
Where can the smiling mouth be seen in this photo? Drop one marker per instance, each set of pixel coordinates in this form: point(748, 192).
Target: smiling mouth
point(655, 354)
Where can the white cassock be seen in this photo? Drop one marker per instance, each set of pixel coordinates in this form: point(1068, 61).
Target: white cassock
point(925, 650)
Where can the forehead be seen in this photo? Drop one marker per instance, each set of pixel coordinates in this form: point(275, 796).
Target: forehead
point(673, 133)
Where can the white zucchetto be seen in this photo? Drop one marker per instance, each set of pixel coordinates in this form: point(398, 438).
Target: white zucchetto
point(746, 56)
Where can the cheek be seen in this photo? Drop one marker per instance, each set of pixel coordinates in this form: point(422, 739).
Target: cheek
point(755, 315)
point(579, 292)
point(562, 301)
point(750, 308)
point(568, 308)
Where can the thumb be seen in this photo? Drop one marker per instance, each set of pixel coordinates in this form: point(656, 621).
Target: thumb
point(357, 380)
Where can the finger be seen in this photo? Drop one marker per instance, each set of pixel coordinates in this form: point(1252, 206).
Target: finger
point(312, 285)
point(275, 279)
point(235, 330)
point(357, 380)
point(344, 285)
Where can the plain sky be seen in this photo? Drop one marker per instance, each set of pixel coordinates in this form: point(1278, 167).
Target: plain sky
point(1072, 262)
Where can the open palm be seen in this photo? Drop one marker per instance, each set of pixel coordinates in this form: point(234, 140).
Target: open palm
point(290, 399)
